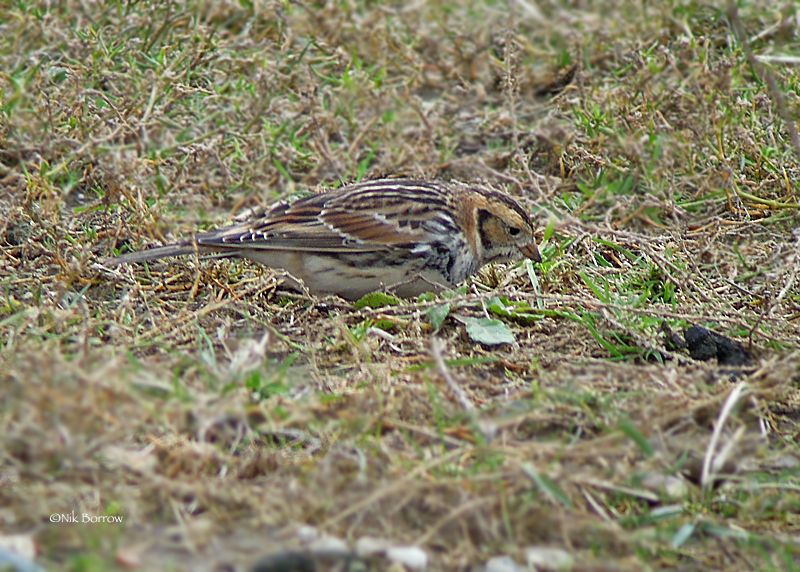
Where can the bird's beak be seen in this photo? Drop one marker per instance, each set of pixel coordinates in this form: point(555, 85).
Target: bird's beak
point(530, 251)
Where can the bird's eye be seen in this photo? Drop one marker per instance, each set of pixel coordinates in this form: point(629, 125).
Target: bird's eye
point(513, 231)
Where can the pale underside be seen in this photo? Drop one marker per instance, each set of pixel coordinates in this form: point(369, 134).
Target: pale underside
point(363, 273)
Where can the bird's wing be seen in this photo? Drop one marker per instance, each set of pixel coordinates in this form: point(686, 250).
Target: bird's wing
point(328, 222)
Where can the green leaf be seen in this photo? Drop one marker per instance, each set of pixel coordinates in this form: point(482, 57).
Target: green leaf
point(684, 533)
point(376, 300)
point(385, 324)
point(437, 314)
point(601, 294)
point(489, 331)
point(629, 429)
point(549, 231)
point(517, 311)
point(461, 362)
point(547, 486)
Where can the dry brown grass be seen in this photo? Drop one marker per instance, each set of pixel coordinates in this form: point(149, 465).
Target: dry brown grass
point(219, 414)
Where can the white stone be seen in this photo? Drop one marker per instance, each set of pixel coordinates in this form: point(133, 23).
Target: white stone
point(410, 556)
point(370, 546)
point(329, 546)
point(547, 558)
point(306, 534)
point(20, 544)
point(671, 486)
point(502, 564)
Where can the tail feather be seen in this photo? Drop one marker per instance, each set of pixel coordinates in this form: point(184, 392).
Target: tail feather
point(177, 249)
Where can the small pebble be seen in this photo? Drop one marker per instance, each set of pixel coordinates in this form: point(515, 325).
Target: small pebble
point(329, 546)
point(547, 558)
point(410, 556)
point(502, 564)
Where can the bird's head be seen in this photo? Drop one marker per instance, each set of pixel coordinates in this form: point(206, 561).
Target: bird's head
point(503, 229)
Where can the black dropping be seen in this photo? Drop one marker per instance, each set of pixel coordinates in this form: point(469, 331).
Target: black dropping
point(704, 344)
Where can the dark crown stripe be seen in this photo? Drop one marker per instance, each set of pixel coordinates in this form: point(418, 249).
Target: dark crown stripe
point(510, 203)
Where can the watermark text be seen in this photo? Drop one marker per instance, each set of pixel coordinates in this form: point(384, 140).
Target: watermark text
point(85, 518)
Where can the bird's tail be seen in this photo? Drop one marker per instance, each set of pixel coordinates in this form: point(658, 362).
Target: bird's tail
point(177, 249)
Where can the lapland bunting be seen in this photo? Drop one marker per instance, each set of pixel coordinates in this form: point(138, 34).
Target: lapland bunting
point(402, 235)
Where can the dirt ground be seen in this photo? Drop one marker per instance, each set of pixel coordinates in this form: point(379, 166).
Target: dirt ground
point(196, 415)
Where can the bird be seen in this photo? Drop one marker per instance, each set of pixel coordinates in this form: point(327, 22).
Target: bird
point(401, 235)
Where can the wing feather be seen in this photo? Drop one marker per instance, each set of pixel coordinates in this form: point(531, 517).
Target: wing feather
point(330, 222)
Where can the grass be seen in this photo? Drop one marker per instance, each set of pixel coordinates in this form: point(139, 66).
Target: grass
point(221, 415)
